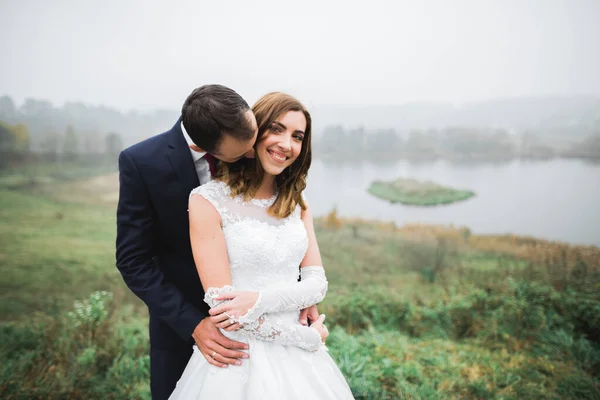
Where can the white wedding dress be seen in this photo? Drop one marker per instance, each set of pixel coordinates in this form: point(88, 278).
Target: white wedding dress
point(287, 360)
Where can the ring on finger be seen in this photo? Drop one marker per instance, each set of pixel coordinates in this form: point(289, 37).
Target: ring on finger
point(213, 354)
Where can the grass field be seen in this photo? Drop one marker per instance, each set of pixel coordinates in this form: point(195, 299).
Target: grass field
point(415, 312)
point(416, 193)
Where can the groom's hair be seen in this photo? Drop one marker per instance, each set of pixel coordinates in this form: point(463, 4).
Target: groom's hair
point(212, 111)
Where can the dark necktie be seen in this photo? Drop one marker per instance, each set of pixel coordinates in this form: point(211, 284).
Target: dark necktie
point(212, 163)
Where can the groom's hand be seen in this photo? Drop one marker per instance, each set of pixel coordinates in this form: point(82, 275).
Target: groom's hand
point(216, 348)
point(310, 314)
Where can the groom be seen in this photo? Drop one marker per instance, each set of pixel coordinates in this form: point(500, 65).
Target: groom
point(153, 249)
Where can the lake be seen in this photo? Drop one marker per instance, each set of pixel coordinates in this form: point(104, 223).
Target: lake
point(556, 199)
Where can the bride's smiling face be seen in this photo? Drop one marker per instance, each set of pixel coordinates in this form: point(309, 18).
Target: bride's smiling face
point(282, 142)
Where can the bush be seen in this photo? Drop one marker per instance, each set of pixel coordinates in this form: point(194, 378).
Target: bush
point(431, 260)
point(578, 387)
point(366, 308)
point(88, 352)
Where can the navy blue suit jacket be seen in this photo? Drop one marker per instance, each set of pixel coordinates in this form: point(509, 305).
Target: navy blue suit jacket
point(153, 249)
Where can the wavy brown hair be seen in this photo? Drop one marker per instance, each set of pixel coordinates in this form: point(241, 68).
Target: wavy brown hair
point(245, 176)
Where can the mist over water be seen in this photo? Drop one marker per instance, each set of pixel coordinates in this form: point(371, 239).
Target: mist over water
point(556, 200)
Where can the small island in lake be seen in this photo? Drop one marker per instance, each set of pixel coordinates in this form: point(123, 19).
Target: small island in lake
point(412, 192)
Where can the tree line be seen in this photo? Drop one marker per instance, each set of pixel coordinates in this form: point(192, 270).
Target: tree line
point(55, 147)
point(37, 131)
point(450, 142)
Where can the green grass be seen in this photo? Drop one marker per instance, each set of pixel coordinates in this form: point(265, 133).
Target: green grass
point(412, 192)
point(32, 176)
point(52, 253)
point(389, 365)
point(408, 320)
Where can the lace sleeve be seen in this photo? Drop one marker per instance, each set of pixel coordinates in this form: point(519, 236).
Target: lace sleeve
point(270, 328)
point(310, 290)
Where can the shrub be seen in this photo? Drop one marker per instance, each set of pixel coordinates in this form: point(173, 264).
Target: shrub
point(88, 352)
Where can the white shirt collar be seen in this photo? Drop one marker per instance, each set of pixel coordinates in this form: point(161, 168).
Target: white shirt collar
point(196, 155)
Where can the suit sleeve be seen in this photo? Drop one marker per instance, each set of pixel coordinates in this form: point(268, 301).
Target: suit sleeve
point(136, 239)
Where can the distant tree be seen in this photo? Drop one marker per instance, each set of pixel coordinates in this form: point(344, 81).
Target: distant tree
point(7, 138)
point(8, 111)
point(421, 143)
point(49, 146)
point(333, 136)
point(458, 140)
point(355, 141)
point(114, 145)
point(40, 117)
point(529, 144)
point(384, 141)
point(7, 143)
point(500, 142)
point(93, 143)
point(22, 138)
point(32, 107)
point(70, 145)
point(592, 143)
point(14, 143)
point(479, 143)
point(589, 147)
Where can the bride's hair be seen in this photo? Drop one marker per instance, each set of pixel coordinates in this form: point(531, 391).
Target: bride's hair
point(245, 176)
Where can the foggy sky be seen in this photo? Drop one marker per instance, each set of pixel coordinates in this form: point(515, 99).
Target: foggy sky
point(148, 54)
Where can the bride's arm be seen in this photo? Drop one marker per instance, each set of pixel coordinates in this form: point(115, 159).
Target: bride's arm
point(210, 255)
point(208, 243)
point(245, 307)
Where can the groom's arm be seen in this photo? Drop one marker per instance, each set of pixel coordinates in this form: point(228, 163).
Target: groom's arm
point(136, 241)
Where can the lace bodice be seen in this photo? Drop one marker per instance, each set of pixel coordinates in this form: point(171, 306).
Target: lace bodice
point(264, 252)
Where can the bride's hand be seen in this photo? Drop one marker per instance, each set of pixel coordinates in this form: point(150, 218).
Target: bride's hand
point(320, 327)
point(239, 305)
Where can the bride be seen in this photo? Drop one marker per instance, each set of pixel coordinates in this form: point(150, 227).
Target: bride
point(250, 229)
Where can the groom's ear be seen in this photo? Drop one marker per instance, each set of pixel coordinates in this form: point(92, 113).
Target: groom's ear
point(196, 148)
point(250, 154)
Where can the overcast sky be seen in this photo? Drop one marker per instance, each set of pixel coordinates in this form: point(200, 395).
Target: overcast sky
point(146, 54)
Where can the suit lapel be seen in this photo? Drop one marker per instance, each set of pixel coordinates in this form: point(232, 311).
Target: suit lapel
point(181, 160)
